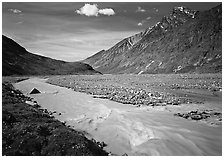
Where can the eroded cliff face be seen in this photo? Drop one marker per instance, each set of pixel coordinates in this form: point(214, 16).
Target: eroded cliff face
point(184, 41)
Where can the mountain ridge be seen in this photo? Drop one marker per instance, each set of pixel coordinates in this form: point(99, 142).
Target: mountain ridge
point(16, 60)
point(190, 41)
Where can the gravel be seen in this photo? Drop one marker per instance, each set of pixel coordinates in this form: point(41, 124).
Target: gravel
point(148, 90)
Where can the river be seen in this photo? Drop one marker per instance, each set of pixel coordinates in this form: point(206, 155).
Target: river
point(125, 128)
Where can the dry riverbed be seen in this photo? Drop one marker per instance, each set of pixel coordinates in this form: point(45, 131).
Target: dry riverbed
point(138, 127)
point(186, 92)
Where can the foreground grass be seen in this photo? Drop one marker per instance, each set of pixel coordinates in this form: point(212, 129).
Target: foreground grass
point(29, 130)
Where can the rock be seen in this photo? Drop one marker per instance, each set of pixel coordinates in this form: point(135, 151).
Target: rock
point(186, 116)
point(193, 112)
point(216, 113)
point(34, 91)
point(196, 117)
point(175, 103)
point(125, 154)
point(204, 116)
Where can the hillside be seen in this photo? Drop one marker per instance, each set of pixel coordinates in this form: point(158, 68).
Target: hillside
point(185, 41)
point(17, 61)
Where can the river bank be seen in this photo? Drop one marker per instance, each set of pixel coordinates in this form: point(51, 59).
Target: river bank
point(29, 130)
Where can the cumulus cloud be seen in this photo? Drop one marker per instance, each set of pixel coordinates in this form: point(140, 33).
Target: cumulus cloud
point(140, 10)
point(93, 10)
point(88, 10)
point(140, 24)
point(107, 11)
point(15, 11)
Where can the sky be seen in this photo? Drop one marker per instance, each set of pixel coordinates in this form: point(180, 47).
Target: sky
point(73, 31)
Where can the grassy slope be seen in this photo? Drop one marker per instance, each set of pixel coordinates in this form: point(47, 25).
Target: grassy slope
point(29, 130)
point(17, 61)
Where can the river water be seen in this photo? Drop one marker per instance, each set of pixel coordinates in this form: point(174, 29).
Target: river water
point(125, 128)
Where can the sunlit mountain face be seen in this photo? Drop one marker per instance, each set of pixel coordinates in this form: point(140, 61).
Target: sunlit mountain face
point(184, 41)
point(75, 31)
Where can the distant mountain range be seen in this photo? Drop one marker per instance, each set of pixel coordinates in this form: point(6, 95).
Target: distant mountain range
point(17, 61)
point(185, 41)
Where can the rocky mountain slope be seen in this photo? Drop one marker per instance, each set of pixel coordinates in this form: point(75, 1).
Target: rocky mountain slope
point(184, 41)
point(17, 61)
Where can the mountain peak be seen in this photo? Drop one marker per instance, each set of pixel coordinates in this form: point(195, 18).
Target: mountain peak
point(181, 8)
point(184, 41)
point(177, 17)
point(184, 10)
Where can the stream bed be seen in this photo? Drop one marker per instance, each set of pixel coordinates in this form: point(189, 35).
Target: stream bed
point(123, 127)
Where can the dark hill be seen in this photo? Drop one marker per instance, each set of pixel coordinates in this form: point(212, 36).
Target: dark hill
point(17, 61)
point(185, 41)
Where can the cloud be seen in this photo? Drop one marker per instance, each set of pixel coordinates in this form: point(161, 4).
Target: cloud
point(88, 10)
point(20, 22)
point(15, 11)
point(107, 11)
point(156, 9)
point(148, 18)
point(140, 24)
point(140, 10)
point(93, 10)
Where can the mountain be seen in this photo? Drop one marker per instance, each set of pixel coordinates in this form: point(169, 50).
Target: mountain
point(16, 60)
point(185, 41)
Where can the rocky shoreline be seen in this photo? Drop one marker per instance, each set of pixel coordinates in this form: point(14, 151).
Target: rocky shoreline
point(202, 115)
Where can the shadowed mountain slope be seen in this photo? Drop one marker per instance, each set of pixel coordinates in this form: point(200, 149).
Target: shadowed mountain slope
point(17, 61)
point(185, 41)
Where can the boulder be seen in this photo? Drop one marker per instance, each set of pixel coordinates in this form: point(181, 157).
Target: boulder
point(34, 91)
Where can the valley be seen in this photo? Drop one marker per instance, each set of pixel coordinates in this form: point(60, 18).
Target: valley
point(154, 87)
point(129, 129)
